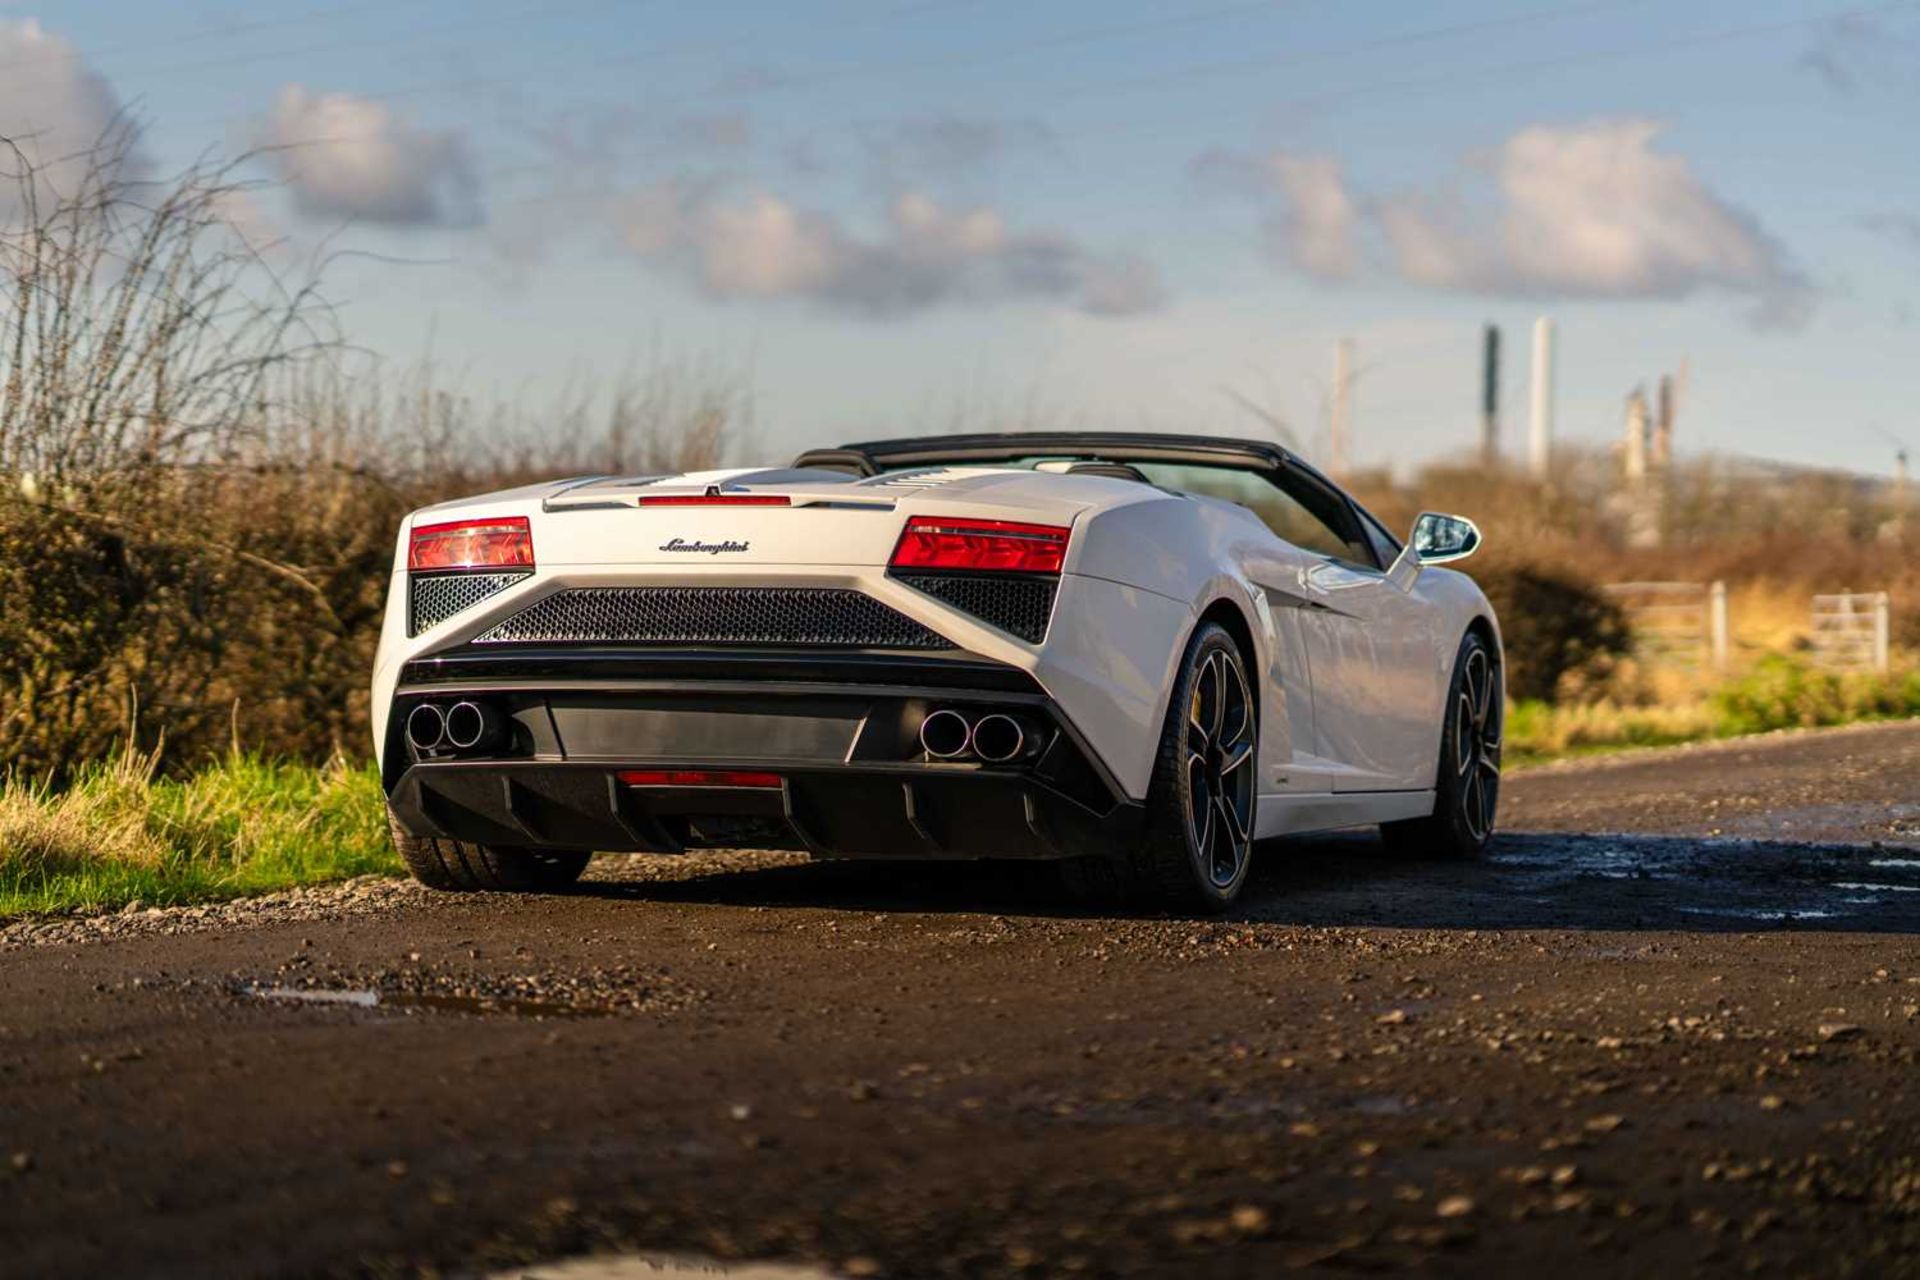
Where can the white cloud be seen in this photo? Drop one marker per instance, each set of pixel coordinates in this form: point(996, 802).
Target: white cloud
point(52, 106)
point(1319, 227)
point(343, 156)
point(759, 245)
point(1592, 210)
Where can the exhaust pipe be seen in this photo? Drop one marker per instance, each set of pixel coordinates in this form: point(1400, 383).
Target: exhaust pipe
point(944, 735)
point(426, 728)
point(473, 724)
point(1000, 738)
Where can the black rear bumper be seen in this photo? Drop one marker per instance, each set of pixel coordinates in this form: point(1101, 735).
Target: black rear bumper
point(838, 731)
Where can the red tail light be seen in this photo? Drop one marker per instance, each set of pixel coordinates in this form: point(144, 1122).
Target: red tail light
point(505, 542)
point(697, 778)
point(987, 546)
point(716, 500)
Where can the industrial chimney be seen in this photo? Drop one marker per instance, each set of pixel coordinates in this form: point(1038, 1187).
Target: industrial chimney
point(1490, 396)
point(1636, 451)
point(1663, 425)
point(1540, 428)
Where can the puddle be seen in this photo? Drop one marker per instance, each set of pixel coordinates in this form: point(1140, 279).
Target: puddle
point(1756, 913)
point(660, 1267)
point(368, 998)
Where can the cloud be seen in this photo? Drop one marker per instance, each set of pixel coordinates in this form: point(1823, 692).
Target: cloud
point(718, 131)
point(946, 145)
point(758, 245)
point(1314, 222)
point(1901, 227)
point(1591, 210)
point(343, 156)
point(53, 107)
point(1855, 51)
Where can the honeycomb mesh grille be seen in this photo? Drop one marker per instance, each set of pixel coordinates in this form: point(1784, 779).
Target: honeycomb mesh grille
point(1019, 606)
point(432, 599)
point(714, 615)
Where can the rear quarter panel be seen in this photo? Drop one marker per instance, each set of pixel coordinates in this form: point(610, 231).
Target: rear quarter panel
point(1147, 568)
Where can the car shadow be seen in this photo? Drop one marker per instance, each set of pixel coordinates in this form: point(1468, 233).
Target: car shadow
point(1526, 880)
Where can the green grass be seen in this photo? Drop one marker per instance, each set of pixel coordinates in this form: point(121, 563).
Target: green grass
point(246, 825)
point(119, 834)
point(1779, 693)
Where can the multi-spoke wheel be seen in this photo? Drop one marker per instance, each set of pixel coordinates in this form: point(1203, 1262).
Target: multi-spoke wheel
point(1201, 803)
point(1467, 785)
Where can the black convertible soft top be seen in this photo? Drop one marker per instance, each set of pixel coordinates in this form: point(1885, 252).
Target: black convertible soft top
point(874, 456)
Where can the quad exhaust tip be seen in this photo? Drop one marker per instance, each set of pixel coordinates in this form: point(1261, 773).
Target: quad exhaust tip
point(995, 738)
point(945, 735)
point(472, 724)
point(999, 738)
point(426, 727)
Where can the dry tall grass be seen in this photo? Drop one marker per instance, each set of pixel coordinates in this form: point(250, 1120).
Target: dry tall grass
point(200, 487)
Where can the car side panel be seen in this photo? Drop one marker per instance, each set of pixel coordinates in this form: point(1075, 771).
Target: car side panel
point(1109, 660)
point(1376, 654)
point(1199, 550)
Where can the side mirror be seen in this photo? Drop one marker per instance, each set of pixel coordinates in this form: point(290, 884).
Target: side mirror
point(1438, 538)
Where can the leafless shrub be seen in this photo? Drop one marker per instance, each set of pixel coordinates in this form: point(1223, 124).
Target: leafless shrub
point(200, 487)
point(138, 324)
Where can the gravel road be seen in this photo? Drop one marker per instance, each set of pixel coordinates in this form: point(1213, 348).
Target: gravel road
point(1670, 1023)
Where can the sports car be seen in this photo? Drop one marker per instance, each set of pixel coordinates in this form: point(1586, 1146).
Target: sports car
point(1136, 654)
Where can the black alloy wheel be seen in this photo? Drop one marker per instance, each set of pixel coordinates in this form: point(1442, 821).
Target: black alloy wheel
point(1466, 790)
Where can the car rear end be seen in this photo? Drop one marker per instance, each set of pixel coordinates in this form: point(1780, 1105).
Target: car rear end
point(761, 659)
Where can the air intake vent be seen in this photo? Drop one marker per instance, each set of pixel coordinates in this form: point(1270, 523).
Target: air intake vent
point(926, 478)
point(1020, 606)
point(714, 615)
point(433, 598)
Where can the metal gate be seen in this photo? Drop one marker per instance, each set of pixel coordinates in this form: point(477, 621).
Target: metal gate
point(1677, 622)
point(1850, 631)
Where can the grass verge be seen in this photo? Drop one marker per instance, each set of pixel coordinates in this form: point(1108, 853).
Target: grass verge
point(119, 834)
point(1779, 693)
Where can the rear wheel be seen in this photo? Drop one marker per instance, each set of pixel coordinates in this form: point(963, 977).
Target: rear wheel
point(1200, 804)
point(1467, 785)
point(459, 866)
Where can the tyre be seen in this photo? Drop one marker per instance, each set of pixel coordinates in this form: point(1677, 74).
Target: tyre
point(1200, 803)
point(1467, 786)
point(458, 866)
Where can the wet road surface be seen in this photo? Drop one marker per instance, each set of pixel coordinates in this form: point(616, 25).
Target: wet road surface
point(1671, 1022)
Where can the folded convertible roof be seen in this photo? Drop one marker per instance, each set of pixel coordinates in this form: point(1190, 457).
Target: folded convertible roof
point(873, 456)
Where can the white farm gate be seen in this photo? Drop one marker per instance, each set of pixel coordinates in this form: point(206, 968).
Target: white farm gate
point(1850, 631)
point(1678, 622)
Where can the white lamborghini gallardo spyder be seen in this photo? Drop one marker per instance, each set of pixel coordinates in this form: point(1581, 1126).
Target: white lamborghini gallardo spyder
point(1138, 654)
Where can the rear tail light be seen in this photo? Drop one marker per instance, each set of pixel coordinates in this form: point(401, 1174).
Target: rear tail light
point(980, 546)
point(505, 542)
point(698, 778)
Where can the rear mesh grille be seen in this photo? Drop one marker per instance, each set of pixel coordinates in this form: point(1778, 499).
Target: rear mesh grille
point(714, 615)
point(1017, 605)
point(433, 598)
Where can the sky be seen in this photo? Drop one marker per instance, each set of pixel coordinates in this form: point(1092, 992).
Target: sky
point(909, 216)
